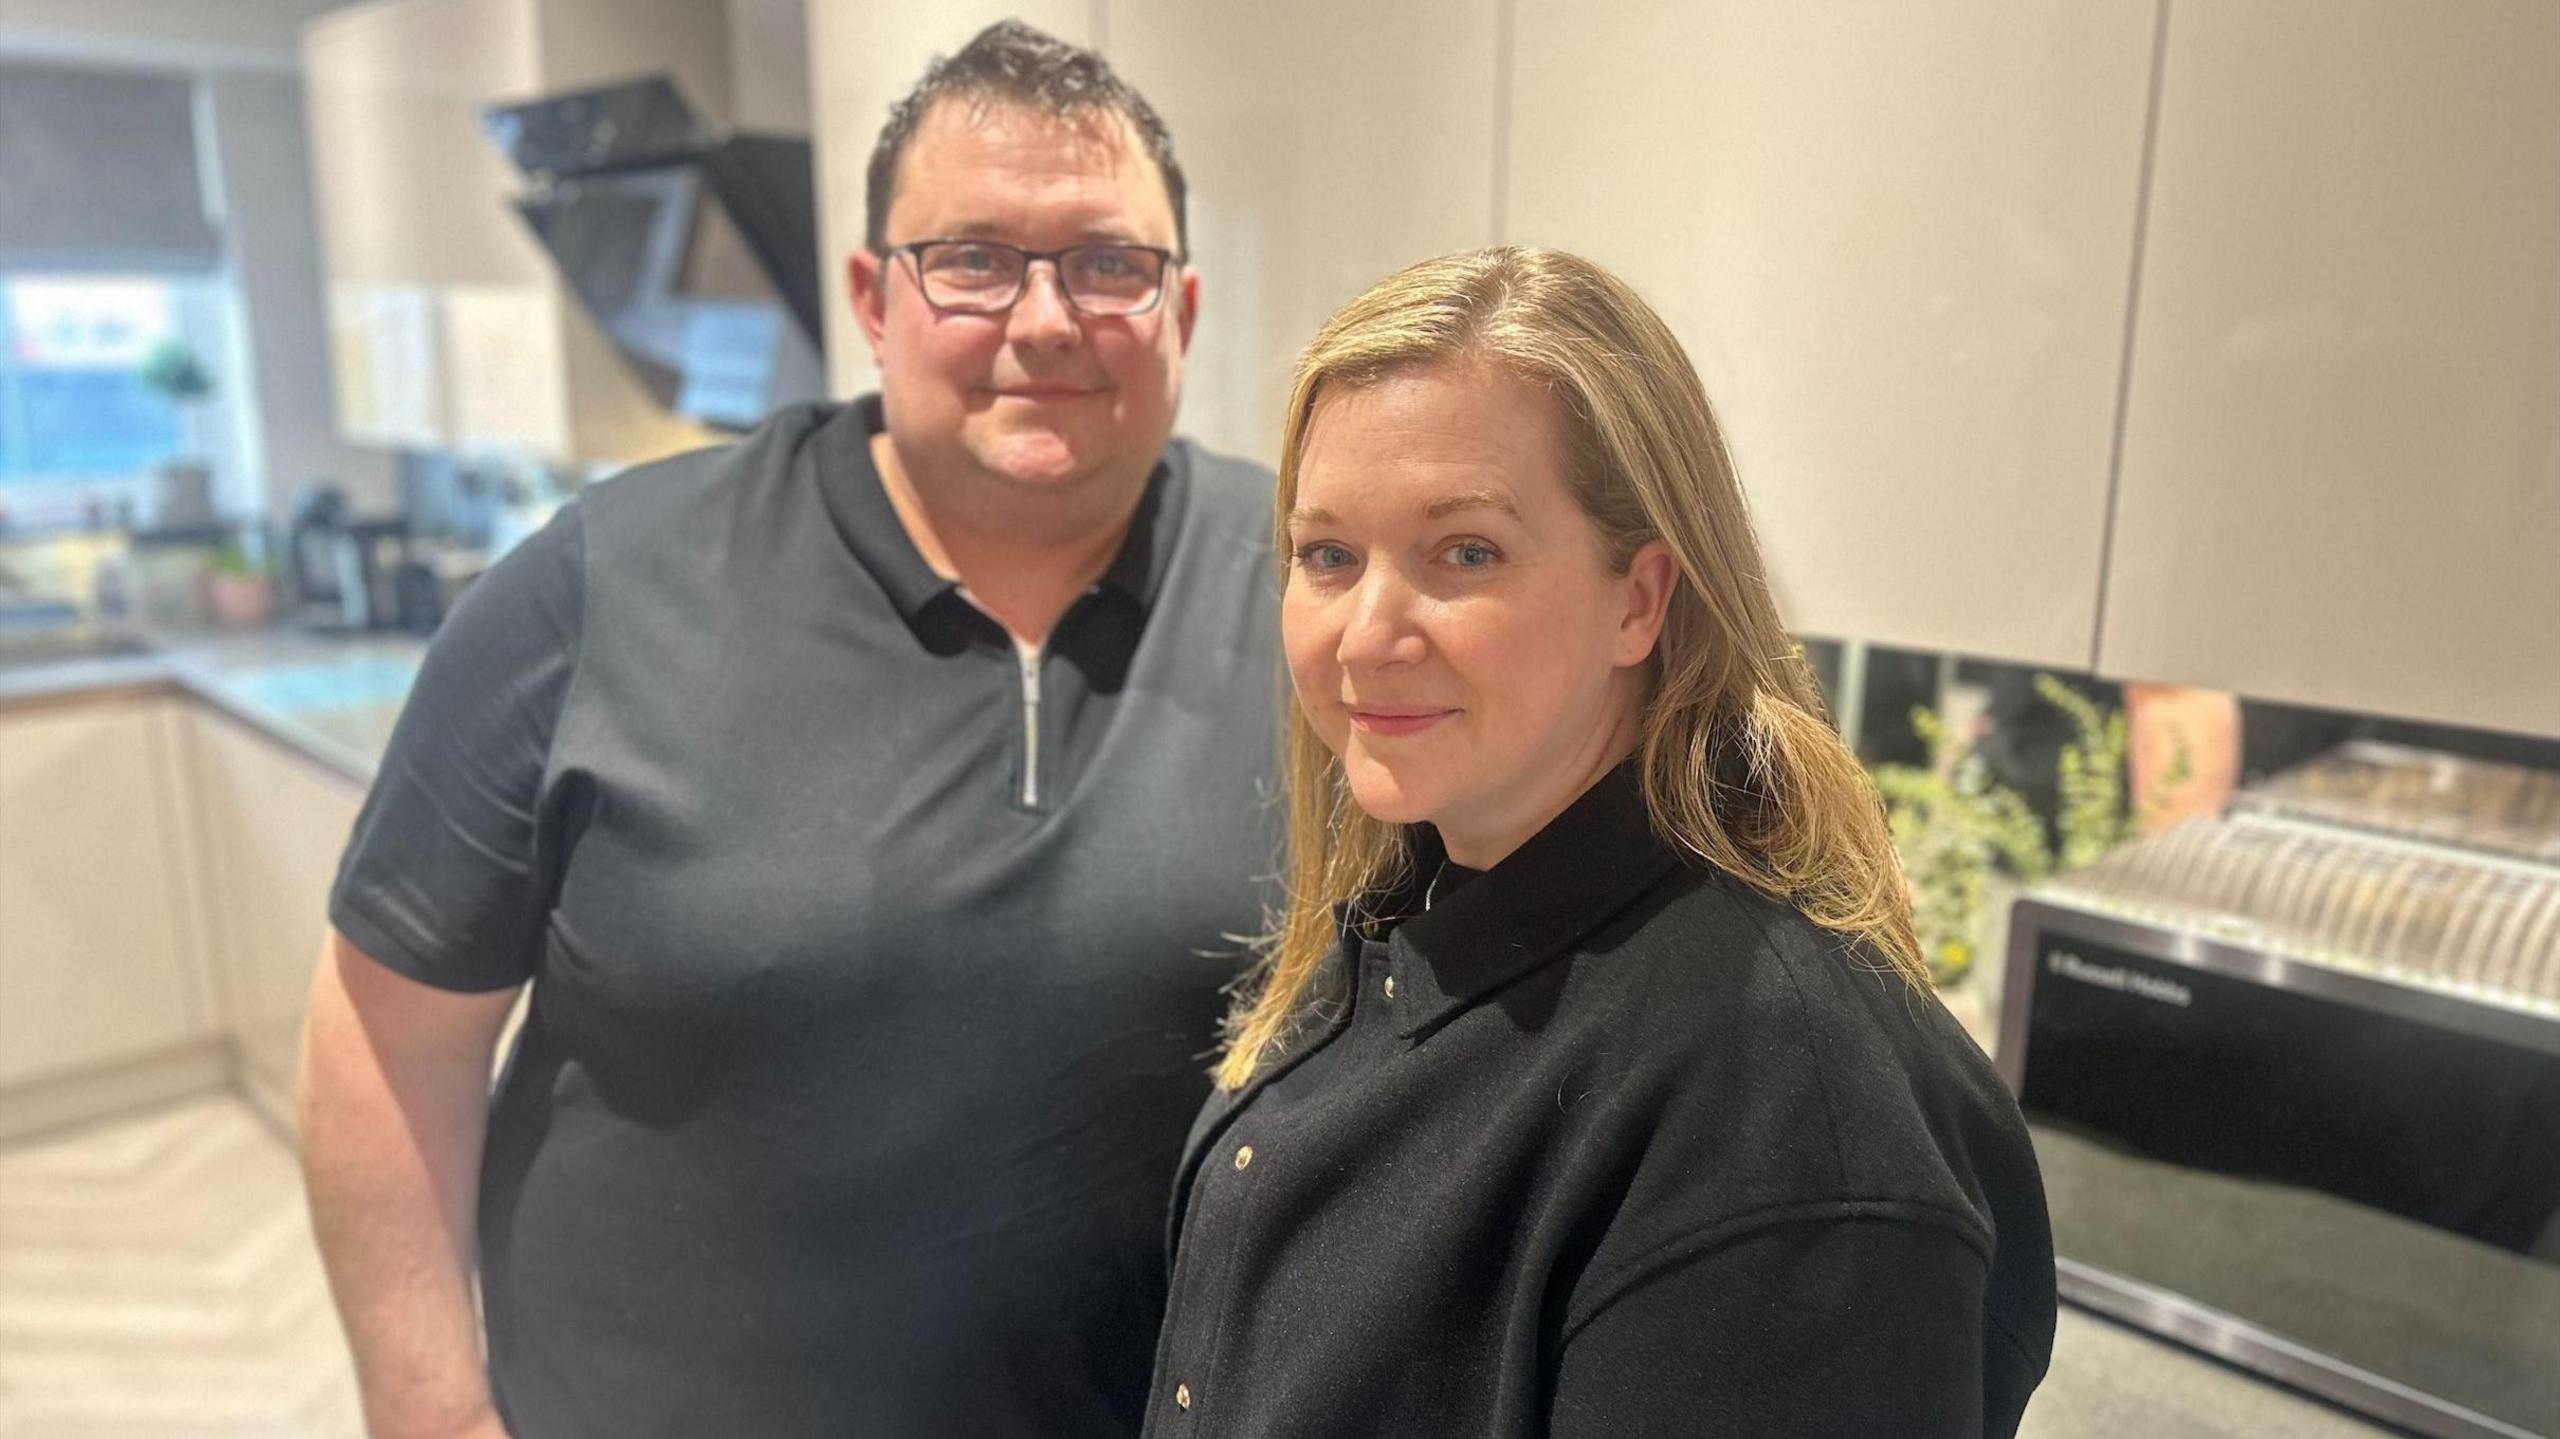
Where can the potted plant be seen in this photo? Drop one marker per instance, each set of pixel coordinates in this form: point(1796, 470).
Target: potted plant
point(173, 371)
point(240, 591)
point(1969, 844)
point(1956, 830)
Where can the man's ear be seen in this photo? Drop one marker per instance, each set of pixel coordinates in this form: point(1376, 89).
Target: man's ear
point(1190, 292)
point(1653, 576)
point(868, 276)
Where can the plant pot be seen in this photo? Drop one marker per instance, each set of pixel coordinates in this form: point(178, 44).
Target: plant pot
point(239, 601)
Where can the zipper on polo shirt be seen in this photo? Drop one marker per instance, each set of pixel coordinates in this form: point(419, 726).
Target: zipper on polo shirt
point(1030, 726)
point(1028, 660)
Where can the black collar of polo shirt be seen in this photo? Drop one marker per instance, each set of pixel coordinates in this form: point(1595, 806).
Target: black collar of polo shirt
point(872, 529)
point(1570, 878)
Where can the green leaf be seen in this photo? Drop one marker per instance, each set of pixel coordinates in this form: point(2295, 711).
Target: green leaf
point(173, 369)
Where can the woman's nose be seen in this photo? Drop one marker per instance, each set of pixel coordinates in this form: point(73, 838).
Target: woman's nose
point(1379, 629)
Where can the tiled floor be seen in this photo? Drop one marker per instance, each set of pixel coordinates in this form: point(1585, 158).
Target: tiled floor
point(157, 1280)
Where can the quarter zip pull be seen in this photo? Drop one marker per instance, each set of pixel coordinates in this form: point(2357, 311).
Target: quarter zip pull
point(1030, 727)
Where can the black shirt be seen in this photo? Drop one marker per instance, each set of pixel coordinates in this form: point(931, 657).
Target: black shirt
point(874, 971)
point(1608, 1144)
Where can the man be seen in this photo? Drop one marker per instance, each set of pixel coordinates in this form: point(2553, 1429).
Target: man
point(872, 805)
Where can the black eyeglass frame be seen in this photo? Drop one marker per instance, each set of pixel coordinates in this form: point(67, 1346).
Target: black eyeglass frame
point(1167, 260)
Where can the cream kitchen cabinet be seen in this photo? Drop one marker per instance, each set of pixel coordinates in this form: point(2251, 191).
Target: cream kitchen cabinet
point(2341, 472)
point(2211, 343)
point(271, 824)
point(1326, 145)
point(449, 327)
point(100, 965)
point(1897, 241)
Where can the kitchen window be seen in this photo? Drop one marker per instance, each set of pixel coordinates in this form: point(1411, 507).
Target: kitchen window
point(82, 435)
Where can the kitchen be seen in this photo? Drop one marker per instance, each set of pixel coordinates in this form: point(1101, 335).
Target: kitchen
point(2176, 305)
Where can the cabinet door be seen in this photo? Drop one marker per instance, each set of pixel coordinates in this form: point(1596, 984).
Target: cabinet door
point(2341, 479)
point(1326, 145)
point(97, 962)
point(863, 57)
point(272, 826)
point(1897, 242)
point(450, 327)
point(411, 202)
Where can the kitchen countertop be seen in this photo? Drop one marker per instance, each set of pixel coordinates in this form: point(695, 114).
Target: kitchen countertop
point(331, 697)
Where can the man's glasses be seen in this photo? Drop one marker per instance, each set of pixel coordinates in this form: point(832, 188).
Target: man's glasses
point(985, 277)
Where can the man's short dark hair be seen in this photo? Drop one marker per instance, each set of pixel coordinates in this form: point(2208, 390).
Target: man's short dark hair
point(1011, 63)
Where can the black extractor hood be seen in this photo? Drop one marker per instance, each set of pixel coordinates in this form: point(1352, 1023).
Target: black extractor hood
point(696, 249)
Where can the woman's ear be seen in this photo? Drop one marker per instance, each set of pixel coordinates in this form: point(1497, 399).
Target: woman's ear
point(1652, 577)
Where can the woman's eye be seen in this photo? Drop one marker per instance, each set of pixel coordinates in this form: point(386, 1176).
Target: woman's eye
point(1323, 555)
point(1471, 554)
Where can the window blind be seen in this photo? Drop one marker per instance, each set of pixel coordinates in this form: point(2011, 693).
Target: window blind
point(98, 171)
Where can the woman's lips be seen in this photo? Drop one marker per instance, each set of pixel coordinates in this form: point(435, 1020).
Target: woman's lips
point(1044, 393)
point(1395, 722)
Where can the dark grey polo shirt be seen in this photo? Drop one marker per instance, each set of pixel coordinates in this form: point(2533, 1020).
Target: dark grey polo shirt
point(875, 969)
point(1607, 1145)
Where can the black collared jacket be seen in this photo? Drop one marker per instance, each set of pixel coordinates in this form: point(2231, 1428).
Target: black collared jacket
point(1606, 1143)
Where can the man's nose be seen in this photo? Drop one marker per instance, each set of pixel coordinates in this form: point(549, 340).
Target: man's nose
point(1042, 316)
point(1379, 630)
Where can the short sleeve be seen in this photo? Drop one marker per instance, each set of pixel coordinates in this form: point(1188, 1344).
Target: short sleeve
point(1820, 1327)
point(444, 879)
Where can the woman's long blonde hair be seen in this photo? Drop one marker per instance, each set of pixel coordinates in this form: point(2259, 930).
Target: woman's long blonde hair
point(1740, 767)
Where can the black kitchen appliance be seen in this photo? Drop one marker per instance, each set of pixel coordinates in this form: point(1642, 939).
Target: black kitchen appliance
point(344, 572)
point(2294, 1078)
point(695, 249)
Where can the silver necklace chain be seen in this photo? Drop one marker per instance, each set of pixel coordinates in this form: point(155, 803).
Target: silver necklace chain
point(1433, 887)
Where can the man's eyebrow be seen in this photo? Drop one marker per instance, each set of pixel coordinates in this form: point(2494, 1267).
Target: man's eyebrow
point(995, 230)
point(1471, 500)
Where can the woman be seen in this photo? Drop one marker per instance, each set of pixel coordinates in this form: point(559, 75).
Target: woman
point(1591, 1085)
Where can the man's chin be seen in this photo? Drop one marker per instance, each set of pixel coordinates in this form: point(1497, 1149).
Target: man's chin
point(1036, 456)
point(1038, 471)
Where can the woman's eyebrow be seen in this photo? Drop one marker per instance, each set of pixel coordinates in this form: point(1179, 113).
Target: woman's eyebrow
point(1471, 500)
point(1440, 508)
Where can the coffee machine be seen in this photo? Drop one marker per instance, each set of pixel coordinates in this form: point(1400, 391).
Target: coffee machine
point(344, 571)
